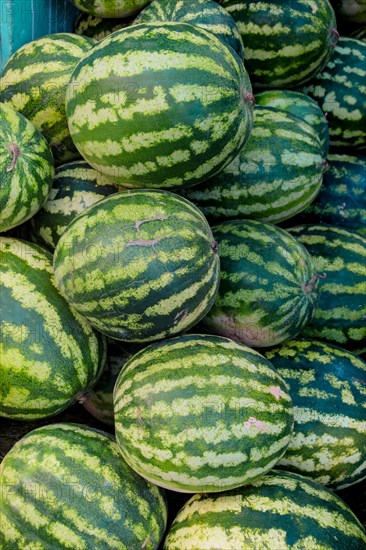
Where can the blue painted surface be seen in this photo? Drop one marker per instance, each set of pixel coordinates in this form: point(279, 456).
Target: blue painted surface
point(24, 20)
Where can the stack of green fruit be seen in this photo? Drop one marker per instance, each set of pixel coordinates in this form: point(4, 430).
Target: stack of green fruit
point(183, 252)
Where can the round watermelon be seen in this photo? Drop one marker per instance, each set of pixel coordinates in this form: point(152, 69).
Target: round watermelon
point(49, 355)
point(300, 105)
point(275, 176)
point(341, 255)
point(139, 265)
point(342, 197)
point(26, 169)
point(286, 42)
point(207, 14)
point(269, 288)
point(34, 83)
point(66, 486)
point(340, 90)
point(110, 8)
point(201, 414)
point(280, 511)
point(97, 28)
point(159, 105)
point(328, 387)
point(75, 187)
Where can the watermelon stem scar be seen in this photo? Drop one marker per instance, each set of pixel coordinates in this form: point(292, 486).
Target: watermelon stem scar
point(215, 247)
point(15, 151)
point(334, 37)
point(248, 97)
point(309, 287)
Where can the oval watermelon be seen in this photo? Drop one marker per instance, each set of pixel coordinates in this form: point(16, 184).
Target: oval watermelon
point(97, 28)
point(34, 83)
point(340, 91)
point(282, 510)
point(300, 105)
point(275, 176)
point(268, 289)
point(159, 105)
point(49, 355)
point(201, 414)
point(26, 169)
point(341, 255)
point(66, 486)
point(342, 197)
point(328, 387)
point(207, 14)
point(76, 186)
point(286, 43)
point(139, 265)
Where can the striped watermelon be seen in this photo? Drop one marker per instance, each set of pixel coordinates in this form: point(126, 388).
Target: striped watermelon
point(342, 197)
point(110, 8)
point(139, 265)
point(206, 14)
point(300, 105)
point(328, 388)
point(49, 355)
point(360, 34)
point(66, 486)
point(201, 414)
point(280, 511)
point(99, 399)
point(341, 255)
point(159, 105)
point(275, 176)
point(97, 28)
point(34, 83)
point(286, 43)
point(26, 169)
point(75, 187)
point(268, 289)
point(340, 90)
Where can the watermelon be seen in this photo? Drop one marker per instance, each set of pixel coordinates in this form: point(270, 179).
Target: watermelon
point(342, 197)
point(360, 34)
point(34, 83)
point(341, 255)
point(268, 289)
point(13, 430)
point(97, 28)
point(286, 43)
point(328, 388)
point(206, 14)
point(300, 105)
point(49, 355)
point(159, 105)
point(275, 176)
point(99, 399)
point(66, 486)
point(110, 8)
point(75, 187)
point(280, 511)
point(201, 413)
point(340, 90)
point(140, 265)
point(26, 169)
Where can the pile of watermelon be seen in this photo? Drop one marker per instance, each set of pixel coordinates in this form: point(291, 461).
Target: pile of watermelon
point(183, 279)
